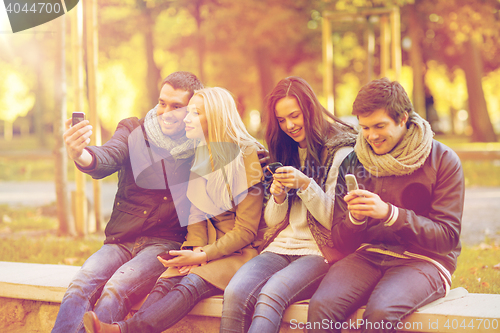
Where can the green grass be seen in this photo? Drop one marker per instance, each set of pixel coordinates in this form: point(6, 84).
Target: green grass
point(475, 171)
point(48, 249)
point(27, 235)
point(15, 219)
point(478, 269)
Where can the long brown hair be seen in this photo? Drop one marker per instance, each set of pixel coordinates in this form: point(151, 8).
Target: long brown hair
point(282, 148)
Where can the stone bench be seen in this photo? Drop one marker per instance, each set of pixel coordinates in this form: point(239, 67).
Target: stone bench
point(30, 295)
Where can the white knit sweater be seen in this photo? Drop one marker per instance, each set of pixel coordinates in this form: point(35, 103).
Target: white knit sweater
point(296, 238)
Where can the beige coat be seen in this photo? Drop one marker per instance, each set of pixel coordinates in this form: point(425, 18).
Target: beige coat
point(226, 237)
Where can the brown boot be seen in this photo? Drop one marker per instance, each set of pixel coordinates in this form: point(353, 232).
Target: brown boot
point(93, 325)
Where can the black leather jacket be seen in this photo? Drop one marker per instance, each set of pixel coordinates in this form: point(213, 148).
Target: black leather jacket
point(151, 196)
point(429, 202)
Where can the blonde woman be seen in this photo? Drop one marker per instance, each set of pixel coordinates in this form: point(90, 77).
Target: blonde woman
point(226, 194)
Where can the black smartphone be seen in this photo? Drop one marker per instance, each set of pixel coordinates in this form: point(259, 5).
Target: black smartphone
point(165, 255)
point(77, 117)
point(273, 166)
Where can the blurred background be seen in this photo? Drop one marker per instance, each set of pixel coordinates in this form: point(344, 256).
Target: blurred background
point(247, 47)
point(108, 58)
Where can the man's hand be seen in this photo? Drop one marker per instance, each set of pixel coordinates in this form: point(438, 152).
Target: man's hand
point(263, 155)
point(362, 203)
point(76, 138)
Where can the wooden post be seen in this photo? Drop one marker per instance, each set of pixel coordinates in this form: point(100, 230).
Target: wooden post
point(79, 199)
point(417, 62)
point(396, 42)
point(66, 221)
point(384, 46)
point(328, 64)
point(370, 49)
point(91, 20)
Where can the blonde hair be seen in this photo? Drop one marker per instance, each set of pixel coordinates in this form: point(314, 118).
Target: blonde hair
point(224, 126)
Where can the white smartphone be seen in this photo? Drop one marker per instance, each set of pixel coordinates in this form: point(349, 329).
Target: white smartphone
point(351, 182)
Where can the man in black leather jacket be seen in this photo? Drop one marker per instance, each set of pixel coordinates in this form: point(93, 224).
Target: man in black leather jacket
point(401, 229)
point(153, 158)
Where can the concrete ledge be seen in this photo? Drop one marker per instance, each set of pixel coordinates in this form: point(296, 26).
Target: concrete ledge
point(38, 288)
point(37, 282)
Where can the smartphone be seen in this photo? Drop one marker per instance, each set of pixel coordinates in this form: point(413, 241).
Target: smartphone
point(165, 255)
point(351, 182)
point(77, 117)
point(273, 166)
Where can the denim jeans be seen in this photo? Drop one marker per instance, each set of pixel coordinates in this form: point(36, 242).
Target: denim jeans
point(265, 286)
point(111, 281)
point(169, 301)
point(391, 288)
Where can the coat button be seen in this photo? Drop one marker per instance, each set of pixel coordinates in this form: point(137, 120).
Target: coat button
point(118, 204)
point(145, 212)
point(165, 198)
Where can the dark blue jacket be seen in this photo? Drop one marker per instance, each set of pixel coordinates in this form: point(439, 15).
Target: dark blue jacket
point(151, 196)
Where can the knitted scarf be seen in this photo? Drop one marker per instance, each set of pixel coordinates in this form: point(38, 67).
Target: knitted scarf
point(180, 148)
point(408, 156)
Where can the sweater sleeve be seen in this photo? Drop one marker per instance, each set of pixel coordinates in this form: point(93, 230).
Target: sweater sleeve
point(274, 212)
point(320, 202)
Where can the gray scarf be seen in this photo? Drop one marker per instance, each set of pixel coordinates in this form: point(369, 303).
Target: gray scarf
point(181, 148)
point(408, 156)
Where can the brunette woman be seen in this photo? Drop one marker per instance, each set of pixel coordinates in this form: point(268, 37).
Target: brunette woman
point(311, 143)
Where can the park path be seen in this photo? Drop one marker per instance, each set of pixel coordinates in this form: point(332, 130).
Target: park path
point(481, 213)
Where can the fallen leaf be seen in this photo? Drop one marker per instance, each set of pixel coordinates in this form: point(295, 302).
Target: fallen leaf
point(497, 266)
point(484, 246)
point(485, 284)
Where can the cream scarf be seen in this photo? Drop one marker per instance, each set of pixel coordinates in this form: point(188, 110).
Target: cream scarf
point(181, 148)
point(408, 156)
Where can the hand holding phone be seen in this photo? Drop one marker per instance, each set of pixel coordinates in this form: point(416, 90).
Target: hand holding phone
point(77, 117)
point(273, 166)
point(166, 255)
point(351, 182)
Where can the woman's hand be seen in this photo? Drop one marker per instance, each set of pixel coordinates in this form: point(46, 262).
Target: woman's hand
point(278, 191)
point(290, 178)
point(185, 258)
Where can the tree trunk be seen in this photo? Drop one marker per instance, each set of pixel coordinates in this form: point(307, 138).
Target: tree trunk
point(153, 75)
point(8, 130)
point(200, 43)
point(264, 67)
point(38, 109)
point(478, 112)
point(66, 223)
point(417, 62)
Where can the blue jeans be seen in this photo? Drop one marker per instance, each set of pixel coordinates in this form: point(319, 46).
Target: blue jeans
point(169, 301)
point(391, 288)
point(111, 281)
point(262, 289)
